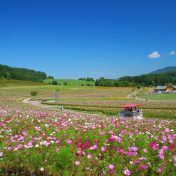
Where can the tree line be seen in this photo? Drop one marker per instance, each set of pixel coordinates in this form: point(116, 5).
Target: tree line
point(142, 80)
point(86, 79)
point(21, 74)
point(112, 83)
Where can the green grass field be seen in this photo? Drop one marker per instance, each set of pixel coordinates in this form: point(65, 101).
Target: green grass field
point(162, 97)
point(70, 82)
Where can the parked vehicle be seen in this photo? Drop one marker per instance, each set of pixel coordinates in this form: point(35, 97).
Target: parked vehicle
point(131, 111)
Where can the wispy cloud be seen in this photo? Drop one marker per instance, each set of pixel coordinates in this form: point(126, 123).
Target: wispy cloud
point(172, 53)
point(154, 55)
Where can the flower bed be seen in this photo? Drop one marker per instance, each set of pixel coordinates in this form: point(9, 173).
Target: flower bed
point(48, 143)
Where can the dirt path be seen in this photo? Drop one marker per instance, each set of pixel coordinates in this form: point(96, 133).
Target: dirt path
point(39, 103)
point(135, 93)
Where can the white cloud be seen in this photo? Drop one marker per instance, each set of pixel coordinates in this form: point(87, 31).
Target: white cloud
point(154, 55)
point(172, 53)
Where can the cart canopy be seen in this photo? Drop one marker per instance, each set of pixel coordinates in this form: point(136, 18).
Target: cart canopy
point(131, 105)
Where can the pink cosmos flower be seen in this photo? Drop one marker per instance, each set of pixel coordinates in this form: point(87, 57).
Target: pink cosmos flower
point(123, 132)
point(21, 138)
point(111, 172)
point(127, 172)
point(165, 148)
point(45, 143)
point(161, 155)
point(137, 161)
point(78, 153)
point(145, 150)
point(137, 131)
point(89, 156)
point(86, 144)
point(120, 150)
point(102, 133)
point(167, 130)
point(114, 138)
point(131, 153)
point(159, 170)
point(19, 146)
point(132, 149)
point(103, 149)
point(93, 147)
point(142, 167)
point(57, 142)
point(37, 128)
point(69, 141)
point(9, 148)
point(154, 145)
point(77, 163)
point(142, 158)
point(111, 166)
point(1, 154)
point(174, 160)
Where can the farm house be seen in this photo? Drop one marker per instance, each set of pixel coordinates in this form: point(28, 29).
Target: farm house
point(165, 89)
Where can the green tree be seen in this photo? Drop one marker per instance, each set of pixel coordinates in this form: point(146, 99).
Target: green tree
point(54, 82)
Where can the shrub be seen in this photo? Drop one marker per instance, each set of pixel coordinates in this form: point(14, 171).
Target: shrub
point(65, 83)
point(54, 83)
point(33, 93)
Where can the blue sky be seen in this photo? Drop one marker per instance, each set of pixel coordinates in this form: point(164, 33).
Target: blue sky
point(88, 38)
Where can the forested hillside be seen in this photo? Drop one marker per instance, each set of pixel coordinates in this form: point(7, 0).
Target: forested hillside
point(164, 70)
point(152, 79)
point(159, 77)
point(21, 74)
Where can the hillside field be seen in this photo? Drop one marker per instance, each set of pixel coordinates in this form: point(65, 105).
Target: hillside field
point(11, 83)
point(70, 82)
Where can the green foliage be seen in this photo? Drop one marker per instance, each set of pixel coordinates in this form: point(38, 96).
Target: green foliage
point(50, 77)
point(86, 79)
point(33, 93)
point(111, 83)
point(54, 82)
point(21, 74)
point(65, 83)
point(63, 159)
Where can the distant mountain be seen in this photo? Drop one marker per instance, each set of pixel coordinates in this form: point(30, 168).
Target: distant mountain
point(24, 74)
point(164, 70)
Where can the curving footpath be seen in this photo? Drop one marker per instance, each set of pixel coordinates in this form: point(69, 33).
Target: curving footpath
point(39, 104)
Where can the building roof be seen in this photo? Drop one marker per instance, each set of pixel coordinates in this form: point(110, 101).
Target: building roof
point(160, 87)
point(163, 87)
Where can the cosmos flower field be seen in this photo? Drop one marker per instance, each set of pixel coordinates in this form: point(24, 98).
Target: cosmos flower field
point(41, 142)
